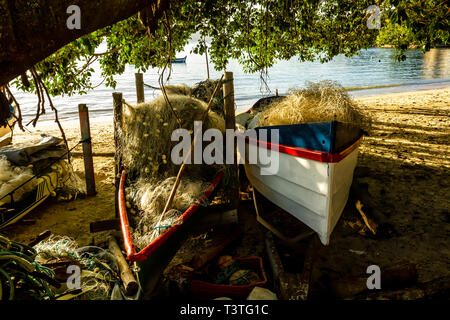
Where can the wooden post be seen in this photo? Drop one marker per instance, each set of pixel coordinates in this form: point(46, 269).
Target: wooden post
point(117, 99)
point(129, 282)
point(230, 123)
point(87, 149)
point(139, 79)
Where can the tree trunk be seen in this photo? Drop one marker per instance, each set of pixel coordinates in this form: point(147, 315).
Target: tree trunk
point(31, 30)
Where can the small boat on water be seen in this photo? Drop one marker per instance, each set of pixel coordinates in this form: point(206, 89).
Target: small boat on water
point(179, 60)
point(315, 172)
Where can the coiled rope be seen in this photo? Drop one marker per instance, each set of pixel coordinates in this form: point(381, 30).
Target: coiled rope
point(20, 270)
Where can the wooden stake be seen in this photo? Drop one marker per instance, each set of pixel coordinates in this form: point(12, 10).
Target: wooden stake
point(117, 102)
point(139, 79)
point(87, 149)
point(129, 282)
point(230, 123)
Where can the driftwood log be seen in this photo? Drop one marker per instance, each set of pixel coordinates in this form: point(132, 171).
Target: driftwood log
point(129, 282)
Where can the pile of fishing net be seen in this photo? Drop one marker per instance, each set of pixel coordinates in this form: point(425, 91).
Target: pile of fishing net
point(321, 101)
point(150, 198)
point(12, 177)
point(147, 131)
point(147, 147)
point(99, 269)
point(203, 91)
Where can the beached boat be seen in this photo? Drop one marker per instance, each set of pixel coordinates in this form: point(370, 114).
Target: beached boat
point(12, 211)
point(154, 258)
point(315, 172)
point(179, 60)
point(7, 129)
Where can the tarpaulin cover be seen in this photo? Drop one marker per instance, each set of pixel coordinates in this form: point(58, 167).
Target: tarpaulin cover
point(23, 154)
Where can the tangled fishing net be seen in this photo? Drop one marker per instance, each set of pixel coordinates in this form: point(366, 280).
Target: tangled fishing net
point(322, 101)
point(178, 89)
point(203, 91)
point(56, 247)
point(12, 177)
point(99, 267)
point(148, 128)
point(150, 197)
point(147, 146)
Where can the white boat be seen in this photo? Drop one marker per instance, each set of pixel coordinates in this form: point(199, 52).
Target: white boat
point(315, 172)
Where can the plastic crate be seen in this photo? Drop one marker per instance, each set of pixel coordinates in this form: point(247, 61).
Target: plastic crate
point(203, 289)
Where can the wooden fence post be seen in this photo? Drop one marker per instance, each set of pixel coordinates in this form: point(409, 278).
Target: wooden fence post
point(139, 79)
point(230, 123)
point(87, 149)
point(117, 101)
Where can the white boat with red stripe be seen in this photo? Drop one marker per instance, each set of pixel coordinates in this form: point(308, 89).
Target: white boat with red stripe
point(315, 171)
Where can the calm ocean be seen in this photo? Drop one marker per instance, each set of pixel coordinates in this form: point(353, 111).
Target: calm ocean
point(371, 68)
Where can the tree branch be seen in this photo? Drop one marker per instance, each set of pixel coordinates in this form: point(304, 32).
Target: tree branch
point(31, 32)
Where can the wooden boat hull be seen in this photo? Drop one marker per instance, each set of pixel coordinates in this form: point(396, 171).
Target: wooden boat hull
point(153, 259)
point(4, 131)
point(46, 184)
point(311, 183)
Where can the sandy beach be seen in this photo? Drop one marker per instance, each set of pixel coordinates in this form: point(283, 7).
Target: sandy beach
point(405, 162)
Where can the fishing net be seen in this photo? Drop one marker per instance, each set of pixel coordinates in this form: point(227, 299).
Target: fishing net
point(147, 146)
point(100, 271)
point(12, 177)
point(56, 247)
point(322, 101)
point(150, 198)
point(147, 131)
point(203, 91)
point(178, 89)
point(72, 186)
point(99, 267)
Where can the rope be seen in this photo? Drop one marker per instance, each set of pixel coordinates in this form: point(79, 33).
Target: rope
point(22, 272)
point(152, 87)
point(193, 91)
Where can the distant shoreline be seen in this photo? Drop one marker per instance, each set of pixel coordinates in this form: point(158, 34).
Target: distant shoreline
point(371, 91)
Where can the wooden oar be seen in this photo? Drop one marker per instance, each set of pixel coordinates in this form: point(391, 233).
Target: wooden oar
point(183, 165)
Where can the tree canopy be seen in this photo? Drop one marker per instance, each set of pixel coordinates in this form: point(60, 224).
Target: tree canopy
point(255, 32)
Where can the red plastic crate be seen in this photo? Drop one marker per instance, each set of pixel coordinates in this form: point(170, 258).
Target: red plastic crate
point(203, 289)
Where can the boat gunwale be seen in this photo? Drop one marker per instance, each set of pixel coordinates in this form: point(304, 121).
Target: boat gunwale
point(142, 255)
point(306, 153)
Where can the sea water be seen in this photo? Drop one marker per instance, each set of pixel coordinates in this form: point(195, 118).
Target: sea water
point(372, 71)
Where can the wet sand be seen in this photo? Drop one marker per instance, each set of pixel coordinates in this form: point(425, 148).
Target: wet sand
point(405, 163)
